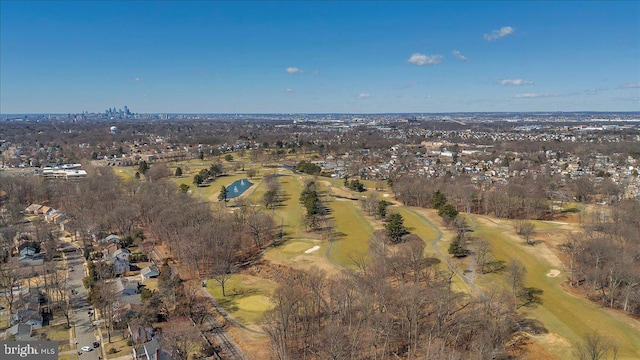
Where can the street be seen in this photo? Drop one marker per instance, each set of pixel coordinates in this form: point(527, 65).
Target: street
point(85, 334)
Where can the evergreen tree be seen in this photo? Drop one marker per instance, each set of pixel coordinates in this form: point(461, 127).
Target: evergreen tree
point(197, 180)
point(143, 167)
point(381, 211)
point(395, 227)
point(448, 212)
point(439, 200)
point(223, 194)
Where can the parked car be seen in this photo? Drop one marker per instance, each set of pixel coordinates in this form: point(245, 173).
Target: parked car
point(86, 348)
point(96, 344)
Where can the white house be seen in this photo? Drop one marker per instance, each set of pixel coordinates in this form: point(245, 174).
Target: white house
point(115, 239)
point(121, 254)
point(149, 272)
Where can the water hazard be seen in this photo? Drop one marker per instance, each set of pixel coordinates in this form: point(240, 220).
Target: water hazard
point(237, 188)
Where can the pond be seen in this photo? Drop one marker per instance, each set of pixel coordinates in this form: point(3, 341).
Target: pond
point(237, 188)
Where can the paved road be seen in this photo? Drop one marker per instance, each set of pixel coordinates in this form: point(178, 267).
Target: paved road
point(85, 334)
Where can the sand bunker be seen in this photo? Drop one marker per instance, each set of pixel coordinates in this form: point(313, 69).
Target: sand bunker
point(309, 251)
point(553, 273)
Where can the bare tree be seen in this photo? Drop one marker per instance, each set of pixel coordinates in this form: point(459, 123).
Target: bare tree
point(597, 347)
point(157, 171)
point(10, 283)
point(60, 292)
point(526, 230)
point(515, 273)
point(182, 337)
point(482, 250)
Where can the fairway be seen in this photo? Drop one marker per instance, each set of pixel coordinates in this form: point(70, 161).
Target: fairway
point(354, 232)
point(568, 318)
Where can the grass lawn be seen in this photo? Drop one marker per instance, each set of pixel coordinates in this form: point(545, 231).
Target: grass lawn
point(354, 232)
point(248, 297)
point(4, 322)
point(151, 284)
point(125, 172)
point(293, 253)
point(65, 347)
point(291, 211)
point(118, 342)
point(418, 226)
point(58, 332)
point(568, 318)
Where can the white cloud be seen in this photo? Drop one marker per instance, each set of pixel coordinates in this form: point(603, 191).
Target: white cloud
point(631, 85)
point(421, 59)
point(136, 79)
point(293, 70)
point(459, 55)
point(534, 95)
point(363, 96)
point(289, 90)
point(595, 91)
point(502, 32)
point(515, 82)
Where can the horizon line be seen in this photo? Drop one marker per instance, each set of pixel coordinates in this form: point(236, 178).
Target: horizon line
point(340, 113)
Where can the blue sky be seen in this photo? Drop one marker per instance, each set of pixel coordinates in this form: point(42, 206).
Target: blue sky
point(310, 57)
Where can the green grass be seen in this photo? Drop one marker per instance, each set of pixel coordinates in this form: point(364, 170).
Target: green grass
point(125, 172)
point(248, 297)
point(296, 247)
point(568, 316)
point(354, 231)
point(291, 211)
point(418, 226)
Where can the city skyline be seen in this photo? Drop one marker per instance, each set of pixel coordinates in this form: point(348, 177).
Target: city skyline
point(319, 57)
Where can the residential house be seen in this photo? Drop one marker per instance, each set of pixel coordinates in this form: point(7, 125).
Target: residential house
point(127, 297)
point(151, 351)
point(20, 332)
point(111, 239)
point(31, 209)
point(44, 210)
point(125, 287)
point(27, 251)
point(51, 214)
point(29, 256)
point(140, 331)
point(149, 272)
point(121, 255)
point(119, 258)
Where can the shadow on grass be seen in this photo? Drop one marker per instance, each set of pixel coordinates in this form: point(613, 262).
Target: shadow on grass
point(230, 302)
point(531, 296)
point(493, 266)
